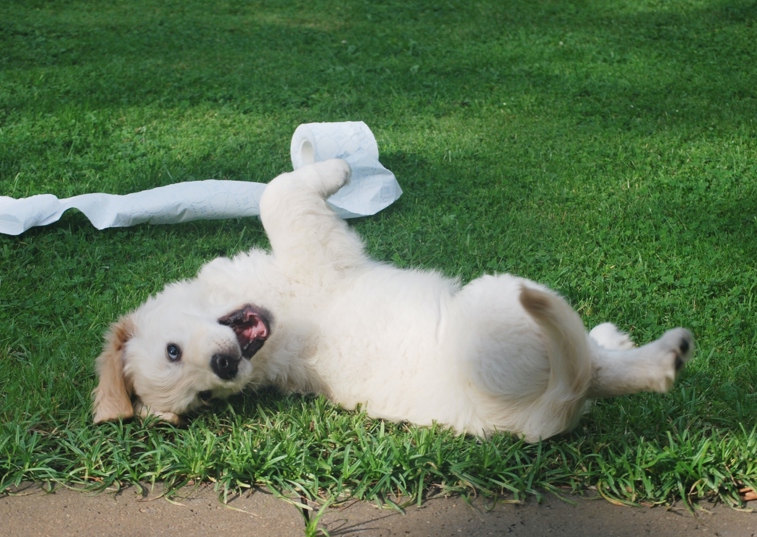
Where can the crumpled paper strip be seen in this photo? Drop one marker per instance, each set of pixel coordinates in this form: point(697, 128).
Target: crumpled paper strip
point(371, 189)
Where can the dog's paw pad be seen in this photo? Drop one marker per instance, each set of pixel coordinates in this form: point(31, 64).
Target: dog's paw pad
point(678, 347)
point(683, 347)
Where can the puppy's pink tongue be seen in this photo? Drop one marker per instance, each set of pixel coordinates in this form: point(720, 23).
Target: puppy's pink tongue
point(251, 326)
point(257, 330)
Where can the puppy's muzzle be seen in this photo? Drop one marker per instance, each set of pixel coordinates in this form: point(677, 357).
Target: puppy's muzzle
point(224, 366)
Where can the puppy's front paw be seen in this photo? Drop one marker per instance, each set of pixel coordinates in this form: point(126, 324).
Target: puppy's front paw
point(332, 175)
point(143, 411)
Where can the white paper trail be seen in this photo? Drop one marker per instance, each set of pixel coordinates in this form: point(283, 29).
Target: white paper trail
point(371, 189)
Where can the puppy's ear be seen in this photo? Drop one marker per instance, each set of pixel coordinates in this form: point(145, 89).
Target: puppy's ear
point(112, 397)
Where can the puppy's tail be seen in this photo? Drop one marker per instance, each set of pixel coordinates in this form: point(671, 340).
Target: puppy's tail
point(569, 359)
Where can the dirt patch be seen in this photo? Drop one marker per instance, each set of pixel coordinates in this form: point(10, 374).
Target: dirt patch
point(30, 511)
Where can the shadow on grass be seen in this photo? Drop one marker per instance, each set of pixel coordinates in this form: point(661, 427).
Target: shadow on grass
point(671, 67)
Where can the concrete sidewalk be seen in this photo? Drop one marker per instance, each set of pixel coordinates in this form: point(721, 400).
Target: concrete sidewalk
point(31, 512)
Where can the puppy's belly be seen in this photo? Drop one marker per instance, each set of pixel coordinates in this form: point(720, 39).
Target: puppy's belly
point(387, 343)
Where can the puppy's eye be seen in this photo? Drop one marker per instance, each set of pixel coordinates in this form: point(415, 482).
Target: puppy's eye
point(173, 352)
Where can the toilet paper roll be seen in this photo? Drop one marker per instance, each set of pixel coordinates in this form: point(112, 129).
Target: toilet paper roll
point(371, 189)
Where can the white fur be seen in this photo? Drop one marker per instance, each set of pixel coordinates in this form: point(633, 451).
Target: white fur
point(499, 354)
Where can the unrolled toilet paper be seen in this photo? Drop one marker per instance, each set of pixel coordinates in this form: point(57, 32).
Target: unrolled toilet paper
point(371, 189)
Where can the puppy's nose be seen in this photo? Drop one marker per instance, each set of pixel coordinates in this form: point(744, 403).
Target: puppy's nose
point(224, 366)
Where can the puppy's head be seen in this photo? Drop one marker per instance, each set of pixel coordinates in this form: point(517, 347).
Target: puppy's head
point(173, 354)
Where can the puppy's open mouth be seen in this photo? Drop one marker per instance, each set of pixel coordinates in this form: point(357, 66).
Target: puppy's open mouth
point(252, 326)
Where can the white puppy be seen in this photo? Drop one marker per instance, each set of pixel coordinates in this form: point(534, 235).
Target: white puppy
point(316, 315)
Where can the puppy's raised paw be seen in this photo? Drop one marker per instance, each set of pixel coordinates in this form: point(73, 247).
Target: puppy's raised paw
point(331, 175)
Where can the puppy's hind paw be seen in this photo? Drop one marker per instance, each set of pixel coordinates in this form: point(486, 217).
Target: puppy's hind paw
point(684, 348)
point(678, 348)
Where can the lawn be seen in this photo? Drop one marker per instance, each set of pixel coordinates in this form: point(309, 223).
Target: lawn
point(606, 149)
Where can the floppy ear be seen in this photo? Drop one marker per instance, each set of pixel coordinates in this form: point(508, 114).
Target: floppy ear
point(112, 397)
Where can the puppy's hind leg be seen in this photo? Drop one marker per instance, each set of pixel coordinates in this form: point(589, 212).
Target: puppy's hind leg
point(304, 231)
point(650, 368)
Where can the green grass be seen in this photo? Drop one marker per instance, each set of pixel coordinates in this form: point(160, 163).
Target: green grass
point(607, 149)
